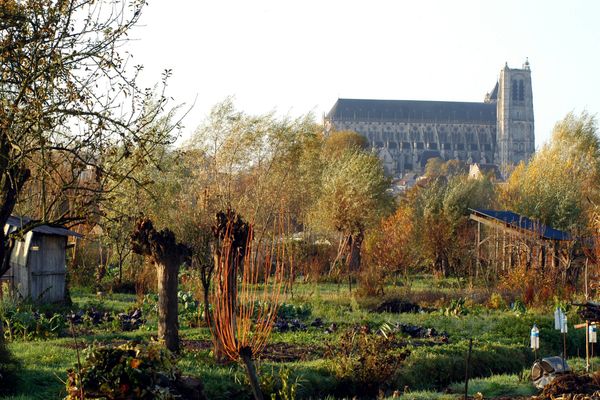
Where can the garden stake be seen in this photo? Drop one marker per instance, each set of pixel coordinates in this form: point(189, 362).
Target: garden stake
point(564, 329)
point(467, 368)
point(78, 360)
point(587, 344)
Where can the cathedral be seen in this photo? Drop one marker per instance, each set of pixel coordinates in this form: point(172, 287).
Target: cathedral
point(407, 133)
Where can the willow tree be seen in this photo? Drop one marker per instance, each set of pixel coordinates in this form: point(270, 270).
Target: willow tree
point(562, 181)
point(254, 164)
point(70, 109)
point(353, 198)
point(249, 279)
point(440, 208)
point(161, 248)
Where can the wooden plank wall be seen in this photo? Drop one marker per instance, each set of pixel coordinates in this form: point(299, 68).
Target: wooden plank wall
point(47, 267)
point(18, 260)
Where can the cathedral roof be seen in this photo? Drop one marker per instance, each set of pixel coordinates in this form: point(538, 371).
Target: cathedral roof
point(413, 111)
point(494, 94)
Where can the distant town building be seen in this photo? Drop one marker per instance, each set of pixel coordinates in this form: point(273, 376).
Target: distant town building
point(480, 171)
point(407, 133)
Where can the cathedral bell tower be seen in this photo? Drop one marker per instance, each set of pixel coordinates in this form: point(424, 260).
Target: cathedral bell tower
point(514, 113)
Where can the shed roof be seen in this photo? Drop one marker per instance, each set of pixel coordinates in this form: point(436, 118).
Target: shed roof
point(19, 222)
point(413, 111)
point(521, 222)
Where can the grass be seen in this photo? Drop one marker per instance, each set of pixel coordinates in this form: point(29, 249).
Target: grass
point(84, 298)
point(498, 386)
point(44, 368)
point(500, 347)
point(424, 395)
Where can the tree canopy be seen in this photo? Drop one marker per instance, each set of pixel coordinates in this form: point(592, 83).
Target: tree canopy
point(560, 184)
point(70, 109)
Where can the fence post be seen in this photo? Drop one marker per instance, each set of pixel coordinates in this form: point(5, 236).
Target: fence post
point(467, 369)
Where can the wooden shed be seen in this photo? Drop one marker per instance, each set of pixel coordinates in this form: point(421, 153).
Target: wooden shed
point(38, 264)
point(505, 239)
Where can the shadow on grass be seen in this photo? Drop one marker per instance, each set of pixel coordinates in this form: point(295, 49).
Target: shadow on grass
point(43, 370)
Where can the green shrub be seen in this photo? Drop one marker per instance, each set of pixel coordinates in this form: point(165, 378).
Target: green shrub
point(291, 311)
point(22, 323)
point(364, 363)
point(456, 307)
point(496, 302)
point(127, 371)
point(191, 311)
point(518, 307)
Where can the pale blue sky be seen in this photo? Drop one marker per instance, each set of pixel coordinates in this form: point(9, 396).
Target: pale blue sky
point(300, 56)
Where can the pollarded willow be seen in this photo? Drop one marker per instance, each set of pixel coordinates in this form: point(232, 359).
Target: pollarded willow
point(249, 281)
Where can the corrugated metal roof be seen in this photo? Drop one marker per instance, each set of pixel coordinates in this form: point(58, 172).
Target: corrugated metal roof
point(521, 222)
point(19, 222)
point(413, 111)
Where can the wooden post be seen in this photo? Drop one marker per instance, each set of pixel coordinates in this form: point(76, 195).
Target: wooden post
point(564, 347)
point(592, 354)
point(587, 345)
point(510, 252)
point(496, 252)
point(503, 251)
point(586, 280)
point(467, 368)
point(587, 323)
point(478, 250)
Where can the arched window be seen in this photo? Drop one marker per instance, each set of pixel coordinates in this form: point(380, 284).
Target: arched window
point(521, 90)
point(515, 92)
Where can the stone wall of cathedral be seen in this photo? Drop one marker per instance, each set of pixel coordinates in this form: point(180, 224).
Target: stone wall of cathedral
point(406, 146)
point(406, 134)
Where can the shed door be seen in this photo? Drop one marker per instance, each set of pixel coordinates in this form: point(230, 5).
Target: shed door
point(47, 263)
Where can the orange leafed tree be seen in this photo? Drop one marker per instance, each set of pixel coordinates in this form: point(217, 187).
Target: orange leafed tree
point(389, 251)
point(248, 284)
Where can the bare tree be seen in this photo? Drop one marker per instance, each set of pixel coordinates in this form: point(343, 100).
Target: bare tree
point(70, 110)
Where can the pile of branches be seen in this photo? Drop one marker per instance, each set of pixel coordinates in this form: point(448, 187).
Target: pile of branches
point(583, 385)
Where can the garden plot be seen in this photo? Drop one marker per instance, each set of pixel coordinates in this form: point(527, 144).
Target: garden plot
point(336, 349)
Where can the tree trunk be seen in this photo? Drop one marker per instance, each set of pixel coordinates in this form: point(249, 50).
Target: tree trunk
point(246, 356)
point(205, 278)
point(354, 248)
point(168, 322)
point(167, 255)
point(120, 269)
point(5, 250)
point(12, 180)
